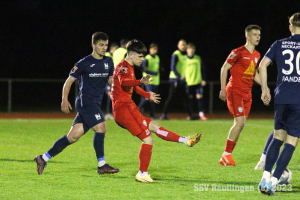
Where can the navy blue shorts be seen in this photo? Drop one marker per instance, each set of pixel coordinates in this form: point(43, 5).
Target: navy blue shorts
point(89, 115)
point(194, 89)
point(152, 88)
point(287, 117)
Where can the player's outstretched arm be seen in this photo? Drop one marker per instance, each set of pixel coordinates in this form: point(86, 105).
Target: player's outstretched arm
point(155, 97)
point(265, 95)
point(223, 78)
point(146, 79)
point(65, 104)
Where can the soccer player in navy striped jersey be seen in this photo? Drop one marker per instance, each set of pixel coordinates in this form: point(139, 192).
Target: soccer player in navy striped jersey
point(92, 72)
point(286, 54)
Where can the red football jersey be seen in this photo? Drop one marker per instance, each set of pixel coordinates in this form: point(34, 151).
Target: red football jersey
point(124, 82)
point(244, 65)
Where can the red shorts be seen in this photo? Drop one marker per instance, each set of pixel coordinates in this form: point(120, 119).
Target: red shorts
point(128, 116)
point(238, 102)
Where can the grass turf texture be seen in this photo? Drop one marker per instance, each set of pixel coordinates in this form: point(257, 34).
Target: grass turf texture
point(177, 169)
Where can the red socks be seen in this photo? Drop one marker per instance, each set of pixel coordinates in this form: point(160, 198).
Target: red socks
point(229, 146)
point(167, 135)
point(145, 156)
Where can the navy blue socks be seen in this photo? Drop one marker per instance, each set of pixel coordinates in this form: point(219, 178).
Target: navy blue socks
point(272, 153)
point(284, 159)
point(59, 145)
point(99, 145)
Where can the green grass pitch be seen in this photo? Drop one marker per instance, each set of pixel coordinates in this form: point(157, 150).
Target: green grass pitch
point(179, 172)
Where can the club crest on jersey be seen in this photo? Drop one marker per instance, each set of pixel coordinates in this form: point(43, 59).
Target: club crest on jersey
point(106, 65)
point(98, 116)
point(74, 69)
point(240, 109)
point(232, 55)
point(256, 60)
point(144, 122)
point(124, 70)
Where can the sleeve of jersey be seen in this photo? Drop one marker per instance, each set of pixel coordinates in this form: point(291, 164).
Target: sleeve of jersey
point(233, 57)
point(76, 71)
point(123, 75)
point(271, 52)
point(142, 92)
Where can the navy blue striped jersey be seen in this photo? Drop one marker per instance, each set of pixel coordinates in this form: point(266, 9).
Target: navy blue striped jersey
point(92, 75)
point(286, 54)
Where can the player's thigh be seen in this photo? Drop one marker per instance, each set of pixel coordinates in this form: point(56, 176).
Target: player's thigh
point(129, 117)
point(235, 103)
point(92, 116)
point(247, 101)
point(75, 132)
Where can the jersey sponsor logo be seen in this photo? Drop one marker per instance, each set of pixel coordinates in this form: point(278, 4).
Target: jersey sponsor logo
point(290, 45)
point(106, 65)
point(232, 55)
point(246, 57)
point(240, 109)
point(251, 69)
point(98, 75)
point(74, 69)
point(124, 69)
point(144, 122)
point(98, 116)
point(92, 65)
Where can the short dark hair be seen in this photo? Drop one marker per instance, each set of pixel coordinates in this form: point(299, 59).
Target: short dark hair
point(191, 45)
point(251, 27)
point(99, 36)
point(295, 19)
point(136, 46)
point(113, 45)
point(153, 45)
point(123, 42)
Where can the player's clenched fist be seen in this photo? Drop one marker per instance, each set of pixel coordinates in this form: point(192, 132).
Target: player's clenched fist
point(66, 106)
point(155, 97)
point(223, 95)
point(146, 79)
point(266, 97)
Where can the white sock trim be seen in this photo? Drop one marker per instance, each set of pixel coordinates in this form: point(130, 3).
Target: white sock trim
point(143, 173)
point(45, 158)
point(101, 163)
point(266, 175)
point(263, 157)
point(183, 139)
point(274, 181)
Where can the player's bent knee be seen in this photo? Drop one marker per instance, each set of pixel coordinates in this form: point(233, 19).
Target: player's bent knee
point(154, 126)
point(198, 96)
point(292, 140)
point(280, 135)
point(148, 140)
point(100, 128)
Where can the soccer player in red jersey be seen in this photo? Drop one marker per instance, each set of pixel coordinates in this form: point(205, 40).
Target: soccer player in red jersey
point(242, 63)
point(128, 116)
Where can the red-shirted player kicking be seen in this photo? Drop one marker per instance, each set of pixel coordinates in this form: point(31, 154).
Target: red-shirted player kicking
point(128, 116)
point(242, 63)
